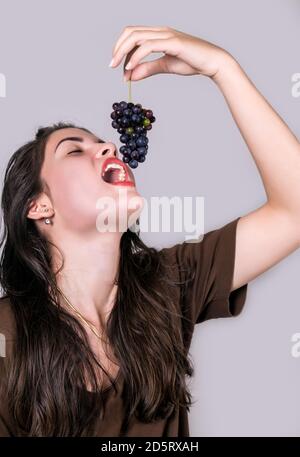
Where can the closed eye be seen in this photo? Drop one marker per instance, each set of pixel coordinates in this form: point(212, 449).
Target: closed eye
point(71, 152)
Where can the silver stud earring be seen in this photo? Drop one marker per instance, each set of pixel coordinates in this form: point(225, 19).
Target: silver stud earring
point(47, 221)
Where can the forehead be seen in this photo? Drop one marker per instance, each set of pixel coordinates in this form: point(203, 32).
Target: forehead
point(58, 135)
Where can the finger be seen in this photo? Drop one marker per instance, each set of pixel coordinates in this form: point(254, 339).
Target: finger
point(168, 46)
point(146, 69)
point(128, 30)
point(134, 39)
point(127, 73)
point(128, 57)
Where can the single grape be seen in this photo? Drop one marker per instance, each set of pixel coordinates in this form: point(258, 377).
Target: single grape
point(124, 121)
point(146, 122)
point(113, 115)
point(153, 119)
point(141, 141)
point(124, 138)
point(115, 124)
point(133, 163)
point(131, 144)
point(123, 105)
point(136, 109)
point(127, 112)
point(129, 131)
point(141, 150)
point(122, 149)
point(135, 118)
point(121, 130)
point(148, 113)
point(115, 106)
point(141, 158)
point(126, 159)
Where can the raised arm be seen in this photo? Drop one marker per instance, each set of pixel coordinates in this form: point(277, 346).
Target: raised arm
point(272, 231)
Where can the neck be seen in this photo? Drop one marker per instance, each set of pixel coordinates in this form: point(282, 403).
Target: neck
point(89, 274)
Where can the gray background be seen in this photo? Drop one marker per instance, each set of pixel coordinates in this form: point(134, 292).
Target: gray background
point(55, 57)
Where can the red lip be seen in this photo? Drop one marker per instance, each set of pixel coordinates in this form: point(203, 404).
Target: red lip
point(129, 180)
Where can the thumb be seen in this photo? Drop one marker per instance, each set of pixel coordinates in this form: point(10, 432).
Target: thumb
point(146, 69)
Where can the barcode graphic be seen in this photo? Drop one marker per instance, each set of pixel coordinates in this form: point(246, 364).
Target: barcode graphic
point(2, 345)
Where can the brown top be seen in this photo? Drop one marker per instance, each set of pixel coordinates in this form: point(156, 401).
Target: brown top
point(206, 297)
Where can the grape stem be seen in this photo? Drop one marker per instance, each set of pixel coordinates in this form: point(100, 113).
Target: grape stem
point(129, 90)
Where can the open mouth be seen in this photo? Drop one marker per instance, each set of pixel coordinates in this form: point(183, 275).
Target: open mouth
point(114, 172)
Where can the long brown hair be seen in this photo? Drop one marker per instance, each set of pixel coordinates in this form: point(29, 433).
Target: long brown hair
point(46, 380)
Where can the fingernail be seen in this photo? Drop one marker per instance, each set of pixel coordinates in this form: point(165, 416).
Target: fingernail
point(128, 66)
point(111, 62)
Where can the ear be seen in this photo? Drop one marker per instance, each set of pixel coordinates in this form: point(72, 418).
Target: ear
point(40, 208)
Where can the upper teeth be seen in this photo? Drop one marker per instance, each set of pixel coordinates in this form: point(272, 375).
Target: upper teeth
point(116, 165)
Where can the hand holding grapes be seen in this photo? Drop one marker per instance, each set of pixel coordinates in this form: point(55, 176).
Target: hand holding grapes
point(184, 54)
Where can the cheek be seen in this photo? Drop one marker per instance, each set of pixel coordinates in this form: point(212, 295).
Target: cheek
point(75, 190)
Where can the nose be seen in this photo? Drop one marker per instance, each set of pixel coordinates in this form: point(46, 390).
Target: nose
point(107, 150)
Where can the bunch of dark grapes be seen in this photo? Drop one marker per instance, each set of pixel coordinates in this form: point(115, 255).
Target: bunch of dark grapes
point(132, 122)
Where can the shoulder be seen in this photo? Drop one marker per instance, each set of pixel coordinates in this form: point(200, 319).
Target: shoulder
point(217, 244)
point(209, 262)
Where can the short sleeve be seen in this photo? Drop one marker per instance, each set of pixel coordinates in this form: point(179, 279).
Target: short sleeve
point(211, 262)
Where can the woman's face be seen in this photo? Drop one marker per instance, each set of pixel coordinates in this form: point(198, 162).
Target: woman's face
point(72, 169)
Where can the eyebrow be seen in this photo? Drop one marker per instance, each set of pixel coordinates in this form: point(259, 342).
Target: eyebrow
point(77, 138)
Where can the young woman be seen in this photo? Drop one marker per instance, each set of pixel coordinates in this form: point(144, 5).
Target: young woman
point(97, 325)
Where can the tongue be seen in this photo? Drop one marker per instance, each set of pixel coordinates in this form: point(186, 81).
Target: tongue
point(112, 176)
